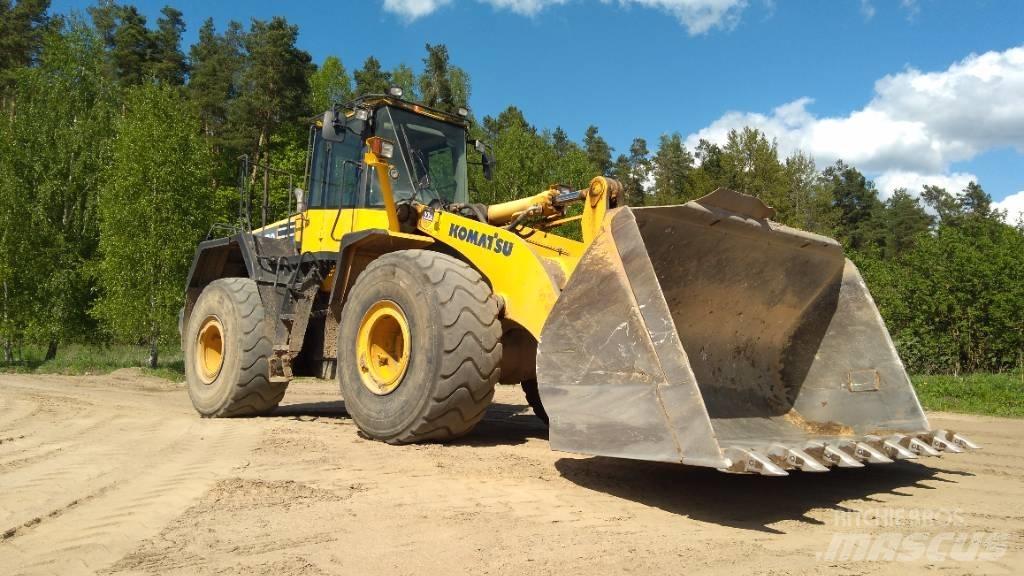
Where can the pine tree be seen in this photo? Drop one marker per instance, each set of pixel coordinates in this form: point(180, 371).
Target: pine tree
point(273, 89)
point(371, 78)
point(435, 84)
point(133, 47)
point(949, 210)
point(905, 220)
point(168, 61)
point(598, 151)
point(858, 206)
point(673, 165)
point(23, 26)
point(560, 140)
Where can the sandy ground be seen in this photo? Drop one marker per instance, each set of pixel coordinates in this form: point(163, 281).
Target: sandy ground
point(117, 475)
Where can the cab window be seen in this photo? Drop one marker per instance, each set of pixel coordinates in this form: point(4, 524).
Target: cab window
point(334, 175)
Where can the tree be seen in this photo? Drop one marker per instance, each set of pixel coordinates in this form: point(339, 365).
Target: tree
point(944, 204)
point(435, 83)
point(461, 88)
point(952, 302)
point(904, 220)
point(673, 164)
point(132, 47)
point(371, 78)
point(857, 203)
point(633, 171)
point(273, 86)
point(329, 85)
point(598, 151)
point(560, 140)
point(216, 60)
point(23, 26)
point(155, 207)
point(809, 203)
point(750, 164)
point(403, 77)
point(168, 62)
point(52, 149)
point(976, 202)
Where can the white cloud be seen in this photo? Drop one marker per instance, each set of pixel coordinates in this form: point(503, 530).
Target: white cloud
point(917, 125)
point(698, 16)
point(523, 7)
point(1014, 206)
point(889, 181)
point(867, 9)
point(412, 9)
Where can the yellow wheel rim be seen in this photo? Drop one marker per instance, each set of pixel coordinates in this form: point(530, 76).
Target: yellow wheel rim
point(210, 350)
point(382, 347)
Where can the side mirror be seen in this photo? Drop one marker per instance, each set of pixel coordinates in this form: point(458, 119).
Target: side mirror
point(487, 165)
point(485, 161)
point(300, 199)
point(333, 127)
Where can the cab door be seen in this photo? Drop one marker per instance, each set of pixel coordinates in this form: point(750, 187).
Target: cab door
point(334, 183)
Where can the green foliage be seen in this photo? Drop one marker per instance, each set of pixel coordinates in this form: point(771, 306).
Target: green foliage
point(155, 207)
point(404, 77)
point(91, 358)
point(273, 87)
point(990, 394)
point(53, 145)
point(673, 165)
point(945, 270)
point(329, 85)
point(371, 78)
point(23, 26)
point(134, 51)
point(598, 151)
point(953, 302)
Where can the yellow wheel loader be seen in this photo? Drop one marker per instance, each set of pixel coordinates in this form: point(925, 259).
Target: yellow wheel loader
point(702, 333)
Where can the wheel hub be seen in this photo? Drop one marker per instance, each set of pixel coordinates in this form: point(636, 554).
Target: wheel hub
point(382, 347)
point(210, 350)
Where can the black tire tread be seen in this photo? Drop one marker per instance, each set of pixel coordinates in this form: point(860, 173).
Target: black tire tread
point(253, 393)
point(471, 342)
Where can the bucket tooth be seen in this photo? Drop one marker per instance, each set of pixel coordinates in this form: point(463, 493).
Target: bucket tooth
point(891, 447)
point(961, 441)
point(831, 455)
point(939, 442)
point(865, 452)
point(917, 446)
point(789, 458)
point(750, 462)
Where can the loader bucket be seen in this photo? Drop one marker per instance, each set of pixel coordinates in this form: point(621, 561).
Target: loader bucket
point(706, 334)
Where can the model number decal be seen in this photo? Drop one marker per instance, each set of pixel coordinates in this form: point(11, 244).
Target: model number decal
point(488, 241)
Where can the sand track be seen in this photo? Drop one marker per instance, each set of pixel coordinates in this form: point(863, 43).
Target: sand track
point(117, 475)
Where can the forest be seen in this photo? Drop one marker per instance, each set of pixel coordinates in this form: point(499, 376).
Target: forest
point(120, 147)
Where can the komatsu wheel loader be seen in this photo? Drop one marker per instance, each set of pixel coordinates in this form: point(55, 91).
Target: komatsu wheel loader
point(702, 333)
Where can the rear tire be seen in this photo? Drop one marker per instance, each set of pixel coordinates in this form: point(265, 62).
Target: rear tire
point(229, 315)
point(451, 337)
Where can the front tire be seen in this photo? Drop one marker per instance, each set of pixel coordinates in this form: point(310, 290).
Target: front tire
point(227, 352)
point(419, 348)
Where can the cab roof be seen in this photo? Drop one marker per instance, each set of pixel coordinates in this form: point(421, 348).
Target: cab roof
point(374, 101)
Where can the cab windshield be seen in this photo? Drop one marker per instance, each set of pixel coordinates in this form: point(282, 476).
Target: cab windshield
point(432, 167)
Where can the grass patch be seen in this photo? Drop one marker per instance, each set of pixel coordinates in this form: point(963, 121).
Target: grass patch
point(989, 394)
point(97, 359)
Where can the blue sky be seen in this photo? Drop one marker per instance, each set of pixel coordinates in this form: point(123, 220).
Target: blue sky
point(909, 91)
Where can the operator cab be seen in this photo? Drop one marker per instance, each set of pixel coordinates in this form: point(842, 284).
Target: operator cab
point(428, 165)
